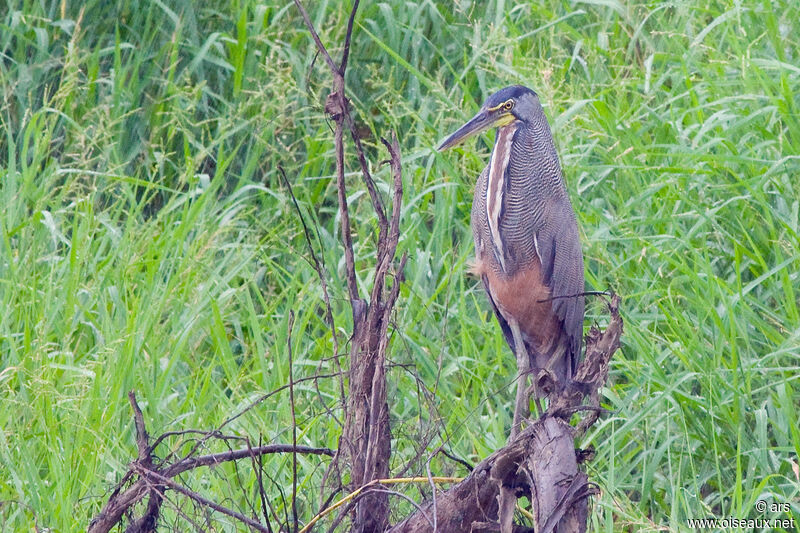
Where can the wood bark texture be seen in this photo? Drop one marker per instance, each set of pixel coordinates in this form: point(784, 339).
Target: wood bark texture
point(541, 463)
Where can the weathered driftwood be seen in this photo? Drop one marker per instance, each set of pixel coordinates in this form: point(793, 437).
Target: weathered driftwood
point(541, 463)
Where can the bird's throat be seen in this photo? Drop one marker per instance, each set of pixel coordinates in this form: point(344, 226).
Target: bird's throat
point(495, 187)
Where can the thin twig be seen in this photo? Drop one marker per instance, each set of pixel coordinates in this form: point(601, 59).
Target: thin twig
point(196, 526)
point(576, 295)
point(216, 458)
point(263, 397)
point(347, 238)
point(409, 500)
point(177, 487)
point(337, 108)
point(390, 481)
point(317, 40)
point(272, 393)
point(459, 460)
point(284, 506)
point(294, 421)
point(319, 266)
point(348, 34)
point(377, 204)
point(179, 433)
point(258, 466)
point(396, 163)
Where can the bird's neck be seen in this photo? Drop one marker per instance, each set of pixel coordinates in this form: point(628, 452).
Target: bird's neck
point(495, 186)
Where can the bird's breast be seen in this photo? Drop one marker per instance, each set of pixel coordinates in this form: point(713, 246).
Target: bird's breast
point(524, 298)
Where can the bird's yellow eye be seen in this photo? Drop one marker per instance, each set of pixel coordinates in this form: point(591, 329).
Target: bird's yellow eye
point(508, 105)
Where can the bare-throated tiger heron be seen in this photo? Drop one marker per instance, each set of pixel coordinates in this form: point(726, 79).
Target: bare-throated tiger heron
point(527, 249)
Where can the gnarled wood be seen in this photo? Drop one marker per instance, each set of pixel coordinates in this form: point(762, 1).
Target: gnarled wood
point(541, 463)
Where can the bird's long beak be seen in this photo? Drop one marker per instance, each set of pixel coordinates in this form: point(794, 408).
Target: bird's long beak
point(480, 122)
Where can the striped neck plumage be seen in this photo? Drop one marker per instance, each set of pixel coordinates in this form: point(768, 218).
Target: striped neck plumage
point(495, 187)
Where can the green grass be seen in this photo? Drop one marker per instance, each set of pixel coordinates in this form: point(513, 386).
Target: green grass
point(148, 243)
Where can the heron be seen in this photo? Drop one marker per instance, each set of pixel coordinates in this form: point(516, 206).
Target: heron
point(527, 249)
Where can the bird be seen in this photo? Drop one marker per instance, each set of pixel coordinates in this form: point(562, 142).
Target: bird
point(527, 246)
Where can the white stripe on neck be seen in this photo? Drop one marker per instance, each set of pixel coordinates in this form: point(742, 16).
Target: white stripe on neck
point(496, 185)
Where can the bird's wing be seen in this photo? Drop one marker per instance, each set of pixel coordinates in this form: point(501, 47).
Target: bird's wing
point(559, 250)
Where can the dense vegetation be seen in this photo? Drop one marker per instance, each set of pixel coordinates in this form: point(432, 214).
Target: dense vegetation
point(148, 242)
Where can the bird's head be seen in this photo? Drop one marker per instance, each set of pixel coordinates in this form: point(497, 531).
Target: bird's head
point(512, 104)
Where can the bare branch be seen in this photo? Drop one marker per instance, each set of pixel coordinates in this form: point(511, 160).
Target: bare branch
point(459, 460)
point(272, 393)
point(320, 46)
point(377, 203)
point(161, 480)
point(149, 519)
point(258, 466)
point(141, 433)
point(235, 455)
point(347, 36)
point(366, 437)
point(336, 106)
point(294, 420)
point(333, 106)
point(396, 163)
point(120, 502)
point(364, 490)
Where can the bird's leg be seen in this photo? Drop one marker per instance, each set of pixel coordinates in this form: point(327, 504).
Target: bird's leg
point(521, 405)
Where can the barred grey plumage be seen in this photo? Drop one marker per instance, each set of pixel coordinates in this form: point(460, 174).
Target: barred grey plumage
point(527, 247)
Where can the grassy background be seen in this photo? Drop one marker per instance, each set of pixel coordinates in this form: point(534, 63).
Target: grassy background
point(147, 241)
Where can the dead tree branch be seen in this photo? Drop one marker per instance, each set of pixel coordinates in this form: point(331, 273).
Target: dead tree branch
point(147, 522)
point(151, 478)
point(156, 478)
point(541, 463)
point(366, 437)
point(243, 453)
